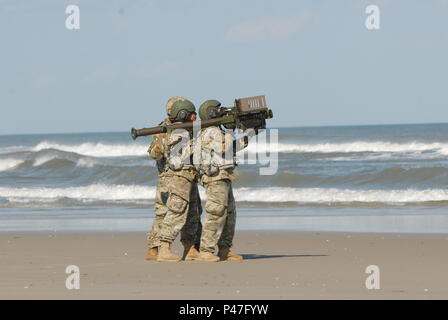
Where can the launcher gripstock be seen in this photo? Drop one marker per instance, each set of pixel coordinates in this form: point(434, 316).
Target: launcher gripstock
point(248, 113)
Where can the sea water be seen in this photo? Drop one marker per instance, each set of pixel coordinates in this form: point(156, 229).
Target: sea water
point(391, 178)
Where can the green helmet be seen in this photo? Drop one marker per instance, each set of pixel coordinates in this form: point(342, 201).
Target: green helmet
point(169, 104)
point(181, 109)
point(208, 109)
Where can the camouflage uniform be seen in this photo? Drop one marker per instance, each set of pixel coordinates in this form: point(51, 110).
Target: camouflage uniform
point(191, 232)
point(216, 172)
point(181, 179)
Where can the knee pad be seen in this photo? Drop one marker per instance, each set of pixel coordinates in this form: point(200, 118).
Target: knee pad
point(215, 208)
point(160, 209)
point(176, 203)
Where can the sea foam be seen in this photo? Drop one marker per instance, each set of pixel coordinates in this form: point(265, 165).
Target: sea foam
point(96, 149)
point(100, 149)
point(334, 195)
point(300, 196)
point(8, 164)
point(90, 192)
point(351, 147)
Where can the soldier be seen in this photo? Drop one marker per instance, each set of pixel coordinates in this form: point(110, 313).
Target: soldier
point(180, 178)
point(192, 230)
point(216, 166)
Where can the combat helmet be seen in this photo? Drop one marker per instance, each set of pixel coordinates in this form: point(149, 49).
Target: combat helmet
point(181, 109)
point(169, 104)
point(210, 109)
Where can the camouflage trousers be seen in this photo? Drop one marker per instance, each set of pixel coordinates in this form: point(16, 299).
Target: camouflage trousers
point(220, 219)
point(191, 231)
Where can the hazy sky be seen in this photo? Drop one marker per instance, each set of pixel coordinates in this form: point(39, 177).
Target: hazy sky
point(315, 61)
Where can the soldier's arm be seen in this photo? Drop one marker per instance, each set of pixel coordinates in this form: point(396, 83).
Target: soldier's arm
point(173, 138)
point(156, 148)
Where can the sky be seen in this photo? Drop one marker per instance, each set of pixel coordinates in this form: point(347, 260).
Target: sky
point(315, 61)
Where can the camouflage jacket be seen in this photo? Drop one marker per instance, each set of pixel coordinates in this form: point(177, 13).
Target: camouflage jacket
point(157, 148)
point(217, 154)
point(179, 154)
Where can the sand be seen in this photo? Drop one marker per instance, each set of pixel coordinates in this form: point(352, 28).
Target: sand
point(277, 266)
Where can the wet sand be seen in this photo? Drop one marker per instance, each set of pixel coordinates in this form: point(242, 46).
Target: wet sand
point(277, 266)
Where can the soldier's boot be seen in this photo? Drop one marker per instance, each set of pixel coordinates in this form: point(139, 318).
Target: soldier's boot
point(190, 252)
point(225, 254)
point(152, 253)
point(165, 253)
point(206, 256)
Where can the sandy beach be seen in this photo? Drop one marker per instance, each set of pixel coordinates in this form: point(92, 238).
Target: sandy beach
point(277, 266)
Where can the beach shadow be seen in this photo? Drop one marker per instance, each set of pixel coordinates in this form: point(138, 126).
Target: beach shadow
point(273, 256)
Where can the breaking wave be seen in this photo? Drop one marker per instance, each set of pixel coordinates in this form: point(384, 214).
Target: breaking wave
point(352, 147)
point(47, 164)
point(100, 194)
point(333, 196)
point(77, 195)
point(8, 164)
point(104, 150)
point(96, 149)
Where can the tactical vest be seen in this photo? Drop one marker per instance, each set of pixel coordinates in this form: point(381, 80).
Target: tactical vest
point(179, 151)
point(213, 158)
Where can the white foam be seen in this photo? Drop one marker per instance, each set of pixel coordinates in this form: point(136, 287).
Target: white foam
point(350, 147)
point(333, 195)
point(133, 193)
point(86, 163)
point(44, 159)
point(133, 149)
point(90, 192)
point(96, 149)
point(92, 162)
point(9, 163)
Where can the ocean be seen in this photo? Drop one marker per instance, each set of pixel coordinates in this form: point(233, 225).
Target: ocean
point(391, 178)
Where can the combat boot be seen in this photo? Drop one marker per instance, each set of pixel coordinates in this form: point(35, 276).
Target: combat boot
point(165, 253)
point(152, 253)
point(206, 256)
point(225, 254)
point(190, 252)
